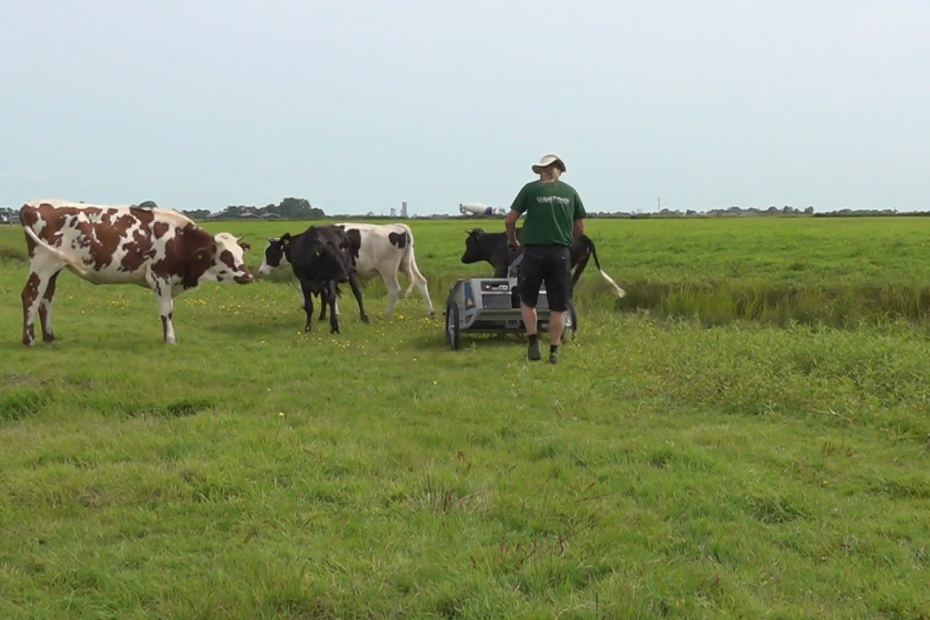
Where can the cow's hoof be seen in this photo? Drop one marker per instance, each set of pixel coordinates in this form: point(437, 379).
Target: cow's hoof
point(48, 338)
point(365, 319)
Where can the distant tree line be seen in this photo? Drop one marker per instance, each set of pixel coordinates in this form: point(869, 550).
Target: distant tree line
point(289, 209)
point(872, 213)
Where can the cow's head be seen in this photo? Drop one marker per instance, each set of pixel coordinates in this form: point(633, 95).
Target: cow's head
point(274, 255)
point(342, 237)
point(479, 246)
point(229, 261)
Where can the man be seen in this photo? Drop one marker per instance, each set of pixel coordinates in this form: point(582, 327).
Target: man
point(554, 218)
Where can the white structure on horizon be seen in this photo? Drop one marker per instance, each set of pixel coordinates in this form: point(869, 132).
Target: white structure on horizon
point(477, 208)
point(403, 209)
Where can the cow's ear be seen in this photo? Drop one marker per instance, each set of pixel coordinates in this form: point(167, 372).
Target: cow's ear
point(205, 253)
point(245, 246)
point(201, 257)
point(200, 260)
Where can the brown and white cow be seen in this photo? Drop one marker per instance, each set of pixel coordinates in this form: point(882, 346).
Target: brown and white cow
point(121, 244)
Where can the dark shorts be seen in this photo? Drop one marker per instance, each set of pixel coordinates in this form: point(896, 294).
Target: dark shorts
point(550, 264)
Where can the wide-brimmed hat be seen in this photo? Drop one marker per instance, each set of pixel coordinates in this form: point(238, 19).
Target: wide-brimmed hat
point(548, 160)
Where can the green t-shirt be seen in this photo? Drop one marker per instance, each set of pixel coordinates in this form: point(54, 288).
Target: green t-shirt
point(551, 210)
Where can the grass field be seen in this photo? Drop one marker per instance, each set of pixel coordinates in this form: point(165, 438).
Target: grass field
point(745, 436)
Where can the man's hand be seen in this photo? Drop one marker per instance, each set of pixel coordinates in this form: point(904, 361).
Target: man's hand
point(513, 243)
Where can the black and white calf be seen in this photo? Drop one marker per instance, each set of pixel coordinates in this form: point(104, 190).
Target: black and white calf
point(320, 258)
point(491, 247)
point(377, 249)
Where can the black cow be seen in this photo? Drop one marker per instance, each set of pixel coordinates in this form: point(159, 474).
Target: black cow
point(320, 259)
point(491, 247)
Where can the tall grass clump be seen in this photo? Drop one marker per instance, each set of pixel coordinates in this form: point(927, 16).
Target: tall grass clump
point(718, 302)
point(9, 253)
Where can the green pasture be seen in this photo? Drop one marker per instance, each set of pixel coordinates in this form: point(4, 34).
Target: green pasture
point(836, 271)
point(745, 435)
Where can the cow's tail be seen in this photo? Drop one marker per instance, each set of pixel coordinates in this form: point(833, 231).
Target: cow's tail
point(410, 263)
point(619, 291)
point(76, 265)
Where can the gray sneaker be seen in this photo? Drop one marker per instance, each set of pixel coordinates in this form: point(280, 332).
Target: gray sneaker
point(533, 351)
point(553, 357)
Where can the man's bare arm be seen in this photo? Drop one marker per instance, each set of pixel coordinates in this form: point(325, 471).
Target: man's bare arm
point(510, 224)
point(578, 229)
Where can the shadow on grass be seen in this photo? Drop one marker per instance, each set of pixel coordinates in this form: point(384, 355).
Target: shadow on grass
point(110, 341)
point(437, 341)
point(249, 331)
point(467, 341)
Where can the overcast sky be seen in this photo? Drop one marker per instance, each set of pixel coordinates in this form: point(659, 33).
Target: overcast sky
point(358, 105)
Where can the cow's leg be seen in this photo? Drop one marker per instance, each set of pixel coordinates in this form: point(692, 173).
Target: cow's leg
point(308, 304)
point(420, 282)
point(393, 289)
point(41, 274)
point(166, 310)
point(358, 296)
point(300, 292)
point(417, 280)
point(45, 309)
point(323, 305)
point(164, 296)
point(331, 298)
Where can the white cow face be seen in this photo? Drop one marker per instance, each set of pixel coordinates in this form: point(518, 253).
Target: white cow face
point(229, 264)
point(273, 257)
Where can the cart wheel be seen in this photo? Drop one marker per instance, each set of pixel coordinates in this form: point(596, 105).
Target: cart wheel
point(453, 327)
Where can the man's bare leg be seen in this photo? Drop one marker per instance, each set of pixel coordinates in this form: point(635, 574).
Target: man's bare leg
point(529, 319)
point(556, 327)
